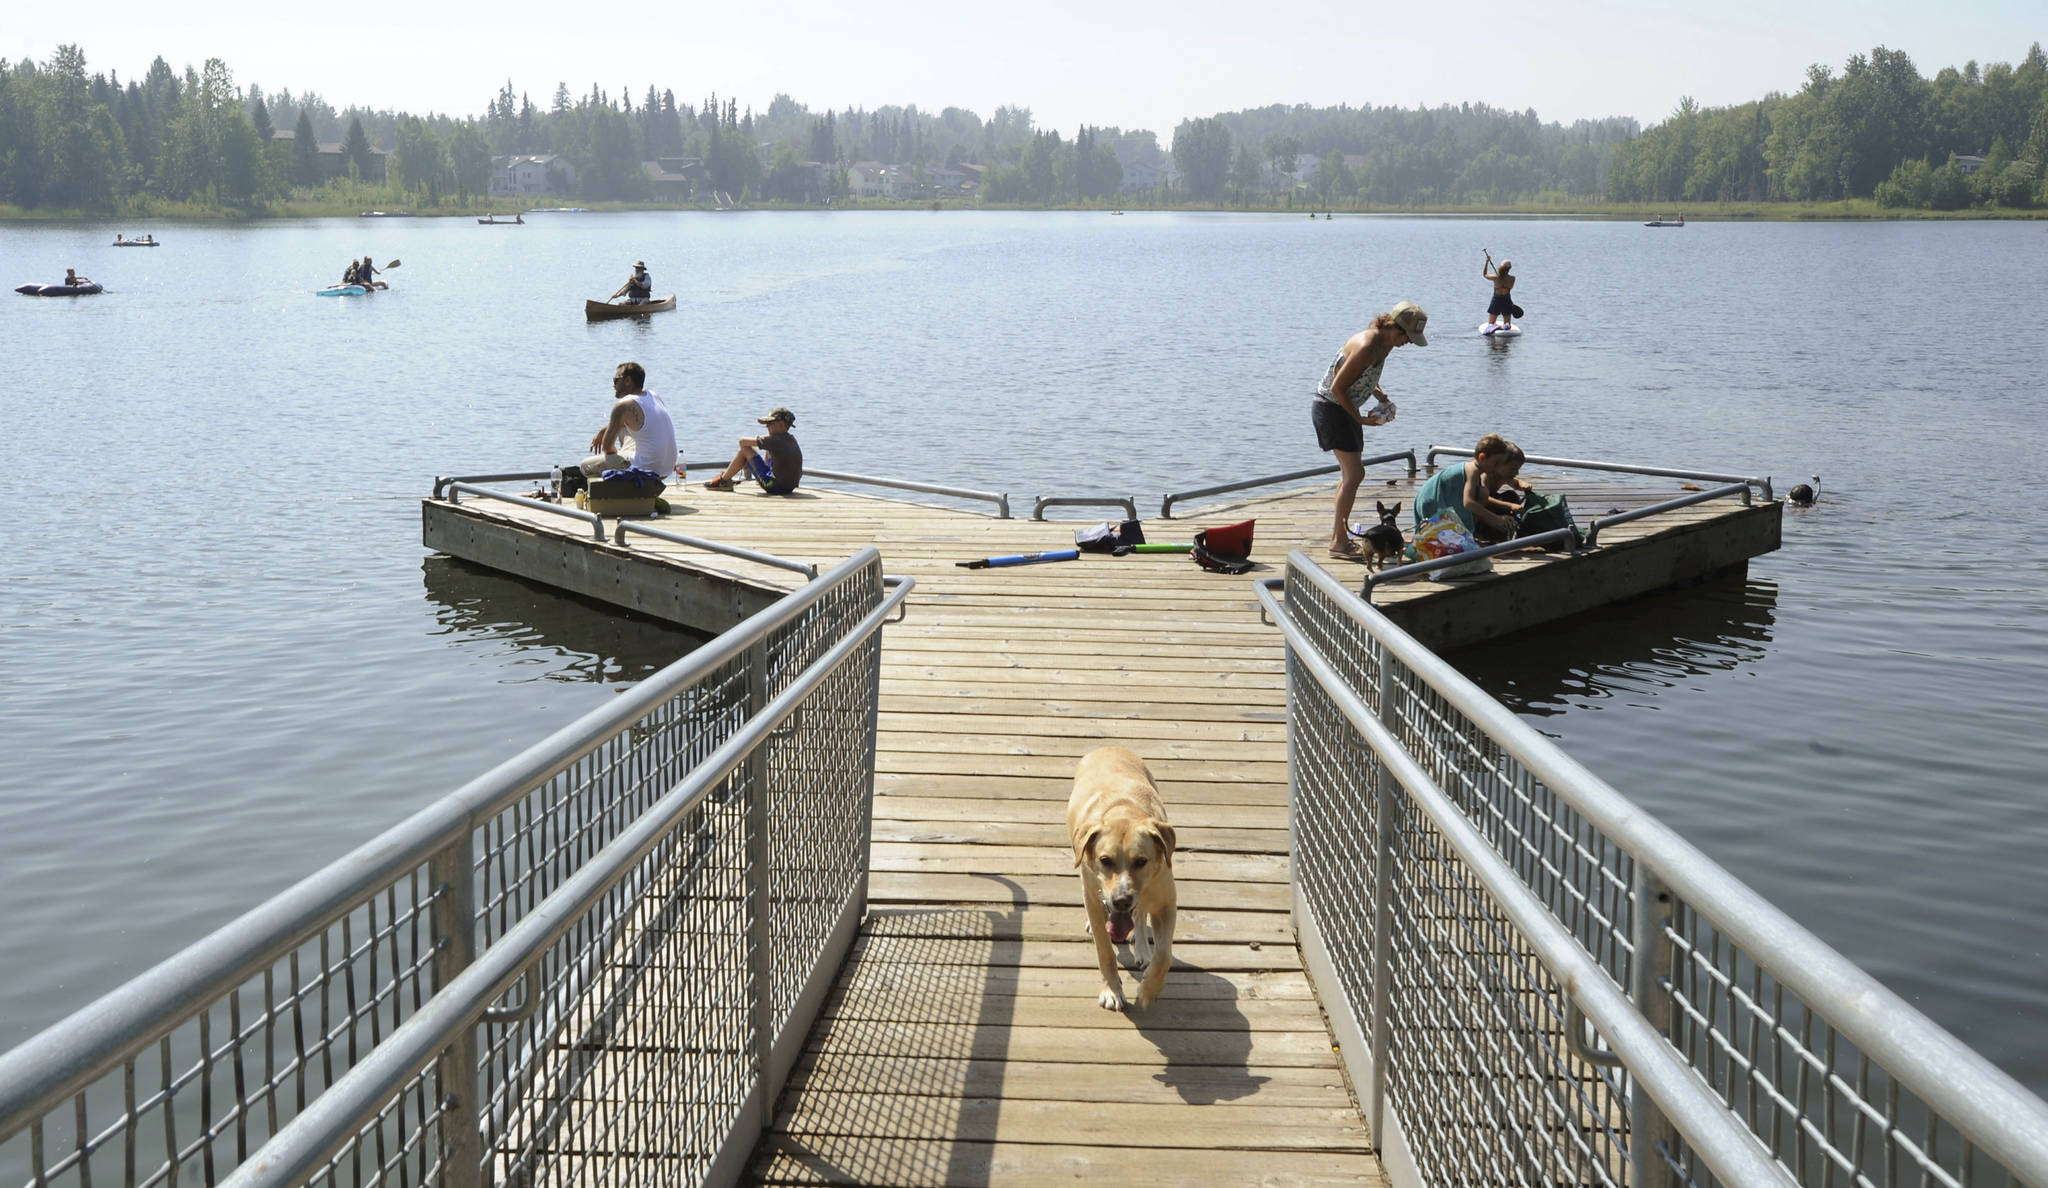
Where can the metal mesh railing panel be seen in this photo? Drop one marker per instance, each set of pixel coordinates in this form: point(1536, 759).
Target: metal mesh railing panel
point(1481, 1070)
point(629, 1067)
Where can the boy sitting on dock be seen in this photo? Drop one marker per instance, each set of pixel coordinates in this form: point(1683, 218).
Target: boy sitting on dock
point(773, 459)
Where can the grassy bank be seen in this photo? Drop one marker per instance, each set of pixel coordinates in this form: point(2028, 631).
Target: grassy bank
point(327, 205)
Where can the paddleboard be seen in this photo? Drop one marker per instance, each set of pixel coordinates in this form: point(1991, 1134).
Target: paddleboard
point(1499, 331)
point(343, 291)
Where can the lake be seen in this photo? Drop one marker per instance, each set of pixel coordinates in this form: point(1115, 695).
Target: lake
point(227, 659)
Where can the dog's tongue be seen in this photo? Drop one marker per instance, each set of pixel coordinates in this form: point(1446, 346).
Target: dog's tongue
point(1120, 926)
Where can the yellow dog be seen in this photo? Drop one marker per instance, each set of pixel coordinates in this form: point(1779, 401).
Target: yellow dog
point(1124, 848)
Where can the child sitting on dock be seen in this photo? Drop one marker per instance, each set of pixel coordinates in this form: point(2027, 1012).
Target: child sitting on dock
point(773, 459)
point(1467, 491)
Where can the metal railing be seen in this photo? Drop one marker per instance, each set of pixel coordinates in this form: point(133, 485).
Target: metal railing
point(711, 546)
point(451, 488)
point(1468, 898)
point(673, 879)
point(1762, 483)
point(1129, 503)
point(1001, 500)
point(1166, 502)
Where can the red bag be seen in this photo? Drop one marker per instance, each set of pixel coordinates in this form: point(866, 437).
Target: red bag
point(1225, 550)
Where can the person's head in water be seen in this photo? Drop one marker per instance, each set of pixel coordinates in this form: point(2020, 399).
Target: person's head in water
point(1497, 458)
point(631, 376)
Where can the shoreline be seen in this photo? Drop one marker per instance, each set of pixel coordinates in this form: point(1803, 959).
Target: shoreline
point(1854, 210)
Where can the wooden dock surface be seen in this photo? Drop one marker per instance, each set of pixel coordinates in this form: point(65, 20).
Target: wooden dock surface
point(962, 1044)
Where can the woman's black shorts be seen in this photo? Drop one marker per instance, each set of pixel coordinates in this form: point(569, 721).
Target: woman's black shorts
point(1336, 429)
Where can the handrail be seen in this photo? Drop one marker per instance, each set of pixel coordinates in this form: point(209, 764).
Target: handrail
point(1415, 568)
point(1593, 532)
point(518, 477)
point(1167, 502)
point(66, 1057)
point(595, 521)
point(300, 1149)
point(1699, 1114)
point(712, 546)
point(1762, 483)
point(1001, 500)
point(1992, 1110)
point(1128, 502)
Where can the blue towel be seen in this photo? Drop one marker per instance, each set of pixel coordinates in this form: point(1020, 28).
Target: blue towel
point(640, 477)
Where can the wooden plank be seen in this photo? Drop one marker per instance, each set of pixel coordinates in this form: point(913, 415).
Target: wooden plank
point(986, 1119)
point(1026, 1080)
point(949, 785)
point(844, 1160)
point(1068, 922)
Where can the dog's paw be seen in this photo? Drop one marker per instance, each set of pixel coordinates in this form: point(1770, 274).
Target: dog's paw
point(1111, 999)
point(1147, 995)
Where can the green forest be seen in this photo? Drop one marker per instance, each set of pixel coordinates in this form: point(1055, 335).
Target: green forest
point(1878, 131)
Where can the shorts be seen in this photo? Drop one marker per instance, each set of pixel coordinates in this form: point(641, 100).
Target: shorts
point(1336, 429)
point(764, 474)
point(1504, 304)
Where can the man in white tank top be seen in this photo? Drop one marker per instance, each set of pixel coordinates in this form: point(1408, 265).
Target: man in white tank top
point(638, 434)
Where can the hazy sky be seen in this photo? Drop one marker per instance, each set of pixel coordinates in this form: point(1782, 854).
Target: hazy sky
point(1135, 64)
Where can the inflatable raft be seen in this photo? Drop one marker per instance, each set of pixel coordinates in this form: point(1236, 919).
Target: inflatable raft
point(85, 290)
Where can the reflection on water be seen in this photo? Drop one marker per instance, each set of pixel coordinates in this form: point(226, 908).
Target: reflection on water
point(557, 636)
point(1628, 649)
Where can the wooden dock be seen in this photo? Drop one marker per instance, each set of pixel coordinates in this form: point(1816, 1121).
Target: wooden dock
point(962, 1044)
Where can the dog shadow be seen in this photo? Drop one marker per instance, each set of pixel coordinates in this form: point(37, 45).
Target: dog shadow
point(1211, 1061)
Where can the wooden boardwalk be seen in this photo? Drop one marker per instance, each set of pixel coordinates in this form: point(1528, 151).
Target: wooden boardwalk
point(962, 1044)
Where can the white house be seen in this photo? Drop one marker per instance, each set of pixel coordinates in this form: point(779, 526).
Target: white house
point(1140, 176)
point(872, 179)
point(529, 174)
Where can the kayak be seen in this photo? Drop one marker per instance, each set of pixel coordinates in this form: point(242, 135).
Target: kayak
point(85, 290)
point(627, 309)
point(344, 291)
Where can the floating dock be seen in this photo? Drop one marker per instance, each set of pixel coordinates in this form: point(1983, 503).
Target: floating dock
point(962, 1043)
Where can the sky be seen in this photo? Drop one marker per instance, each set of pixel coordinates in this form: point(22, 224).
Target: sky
point(1129, 64)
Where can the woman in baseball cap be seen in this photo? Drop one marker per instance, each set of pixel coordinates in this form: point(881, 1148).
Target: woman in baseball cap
point(1338, 410)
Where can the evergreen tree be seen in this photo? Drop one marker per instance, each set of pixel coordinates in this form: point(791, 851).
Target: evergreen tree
point(305, 152)
point(356, 148)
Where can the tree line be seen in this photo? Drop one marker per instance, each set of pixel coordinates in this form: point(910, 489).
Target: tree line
point(70, 139)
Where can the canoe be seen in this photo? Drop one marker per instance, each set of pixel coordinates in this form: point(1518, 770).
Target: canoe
point(626, 309)
point(135, 243)
point(495, 222)
point(84, 290)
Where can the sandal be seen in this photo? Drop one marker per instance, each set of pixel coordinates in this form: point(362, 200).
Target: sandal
point(1348, 551)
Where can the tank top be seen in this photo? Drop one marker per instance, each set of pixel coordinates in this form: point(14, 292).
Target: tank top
point(1361, 388)
point(654, 443)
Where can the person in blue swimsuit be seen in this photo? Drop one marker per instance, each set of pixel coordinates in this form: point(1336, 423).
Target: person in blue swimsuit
point(1338, 409)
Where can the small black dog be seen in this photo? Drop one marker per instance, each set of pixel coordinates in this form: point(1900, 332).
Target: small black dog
point(1384, 538)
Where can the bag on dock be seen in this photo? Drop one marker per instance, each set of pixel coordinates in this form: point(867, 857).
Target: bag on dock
point(1225, 550)
point(1546, 513)
point(1108, 537)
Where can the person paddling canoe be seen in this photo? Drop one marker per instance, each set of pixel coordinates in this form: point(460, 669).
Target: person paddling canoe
point(639, 287)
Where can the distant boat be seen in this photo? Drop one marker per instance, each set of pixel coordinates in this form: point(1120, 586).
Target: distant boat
point(598, 310)
point(495, 221)
point(1661, 221)
point(85, 290)
point(385, 214)
point(145, 241)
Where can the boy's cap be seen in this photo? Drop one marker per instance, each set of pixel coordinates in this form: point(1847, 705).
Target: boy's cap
point(1410, 318)
point(779, 413)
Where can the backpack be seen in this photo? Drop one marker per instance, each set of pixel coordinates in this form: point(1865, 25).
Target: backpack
point(1546, 513)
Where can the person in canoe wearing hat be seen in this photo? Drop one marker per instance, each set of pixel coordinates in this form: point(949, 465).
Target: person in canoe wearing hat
point(639, 286)
point(773, 458)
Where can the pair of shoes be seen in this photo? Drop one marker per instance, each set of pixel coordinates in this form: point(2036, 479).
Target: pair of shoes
point(719, 484)
point(1348, 551)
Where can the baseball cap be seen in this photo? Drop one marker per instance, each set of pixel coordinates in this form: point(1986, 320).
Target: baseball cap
point(779, 413)
point(1410, 318)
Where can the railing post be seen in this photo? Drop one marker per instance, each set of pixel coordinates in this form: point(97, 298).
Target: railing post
point(1384, 834)
point(760, 963)
point(1649, 966)
point(455, 1070)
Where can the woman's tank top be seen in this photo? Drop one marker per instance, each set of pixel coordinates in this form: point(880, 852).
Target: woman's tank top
point(1361, 388)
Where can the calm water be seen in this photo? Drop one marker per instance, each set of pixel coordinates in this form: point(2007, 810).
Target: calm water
point(226, 658)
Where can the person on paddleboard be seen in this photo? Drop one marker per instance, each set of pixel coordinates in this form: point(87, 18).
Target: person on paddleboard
point(1503, 306)
point(1338, 408)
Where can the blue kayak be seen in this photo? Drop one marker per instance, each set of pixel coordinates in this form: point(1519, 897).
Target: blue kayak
point(344, 291)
